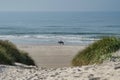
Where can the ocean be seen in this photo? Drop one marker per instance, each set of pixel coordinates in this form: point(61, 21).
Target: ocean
point(74, 28)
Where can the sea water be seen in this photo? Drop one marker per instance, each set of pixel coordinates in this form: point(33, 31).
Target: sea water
point(74, 28)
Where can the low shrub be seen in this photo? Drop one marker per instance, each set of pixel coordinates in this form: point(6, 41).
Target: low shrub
point(97, 52)
point(10, 54)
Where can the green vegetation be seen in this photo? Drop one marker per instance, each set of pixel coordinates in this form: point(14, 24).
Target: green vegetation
point(9, 54)
point(97, 52)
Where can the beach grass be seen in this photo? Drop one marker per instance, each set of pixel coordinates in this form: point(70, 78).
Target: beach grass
point(9, 54)
point(97, 52)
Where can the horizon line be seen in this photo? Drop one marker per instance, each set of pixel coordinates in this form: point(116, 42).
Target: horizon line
point(59, 11)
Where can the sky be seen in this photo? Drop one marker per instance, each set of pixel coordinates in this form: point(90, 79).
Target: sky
point(59, 5)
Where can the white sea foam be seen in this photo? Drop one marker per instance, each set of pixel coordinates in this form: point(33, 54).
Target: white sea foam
point(48, 38)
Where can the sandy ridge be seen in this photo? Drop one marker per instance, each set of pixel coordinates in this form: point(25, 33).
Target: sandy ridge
point(105, 71)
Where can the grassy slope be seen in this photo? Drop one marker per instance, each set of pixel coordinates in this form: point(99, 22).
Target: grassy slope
point(10, 54)
point(97, 52)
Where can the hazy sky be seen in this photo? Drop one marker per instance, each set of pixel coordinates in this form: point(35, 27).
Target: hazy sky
point(59, 5)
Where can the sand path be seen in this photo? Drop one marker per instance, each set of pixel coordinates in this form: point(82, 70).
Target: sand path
point(52, 56)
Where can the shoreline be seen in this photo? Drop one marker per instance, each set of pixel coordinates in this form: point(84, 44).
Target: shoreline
point(49, 44)
point(51, 56)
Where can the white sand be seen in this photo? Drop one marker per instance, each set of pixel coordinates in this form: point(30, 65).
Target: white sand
point(52, 56)
point(106, 71)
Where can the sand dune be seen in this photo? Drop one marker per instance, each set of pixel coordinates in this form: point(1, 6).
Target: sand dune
point(54, 64)
point(105, 71)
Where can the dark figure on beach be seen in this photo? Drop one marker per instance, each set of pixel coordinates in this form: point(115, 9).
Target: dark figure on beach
point(61, 42)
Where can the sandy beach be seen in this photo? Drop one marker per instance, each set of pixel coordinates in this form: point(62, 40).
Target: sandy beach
point(54, 63)
point(52, 56)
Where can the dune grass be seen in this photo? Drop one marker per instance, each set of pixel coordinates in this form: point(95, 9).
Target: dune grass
point(97, 52)
point(9, 54)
